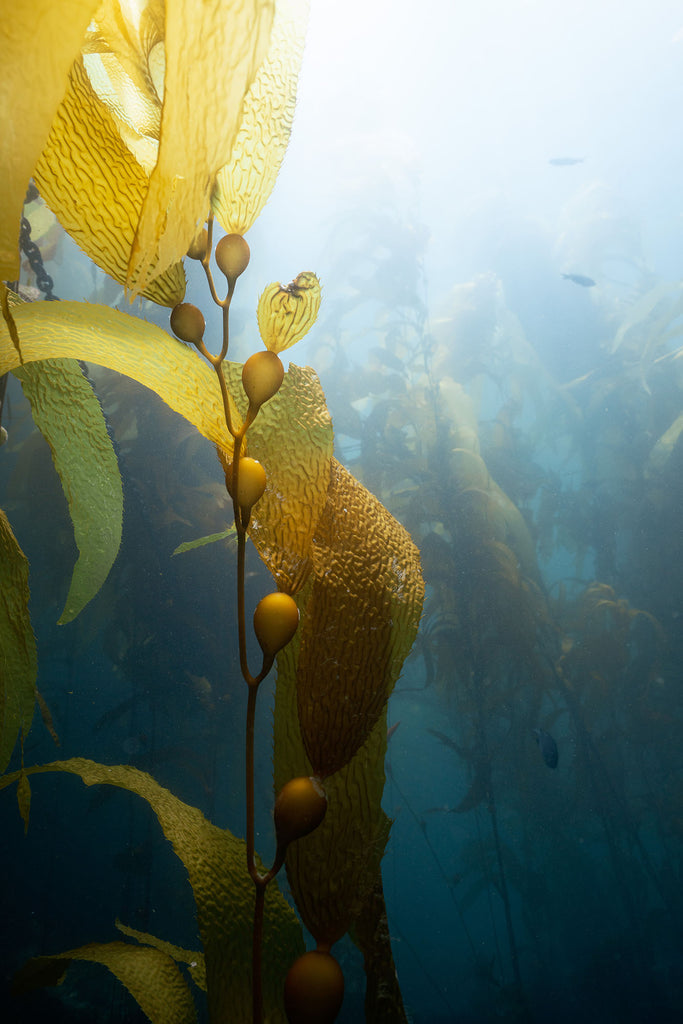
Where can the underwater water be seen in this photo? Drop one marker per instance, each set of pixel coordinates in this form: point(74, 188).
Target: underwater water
point(495, 213)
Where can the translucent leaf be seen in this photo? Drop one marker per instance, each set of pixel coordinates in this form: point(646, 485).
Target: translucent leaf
point(224, 893)
point(286, 315)
point(92, 182)
point(293, 438)
point(40, 39)
point(359, 623)
point(69, 416)
point(244, 185)
point(361, 606)
point(332, 871)
point(212, 56)
point(292, 434)
point(193, 960)
point(18, 663)
point(141, 350)
point(125, 60)
point(150, 975)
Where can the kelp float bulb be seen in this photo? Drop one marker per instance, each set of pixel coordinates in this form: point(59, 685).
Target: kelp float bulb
point(187, 323)
point(262, 375)
point(314, 989)
point(232, 256)
point(251, 482)
point(299, 809)
point(276, 618)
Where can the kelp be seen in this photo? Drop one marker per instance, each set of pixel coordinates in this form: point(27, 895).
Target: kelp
point(245, 182)
point(285, 315)
point(91, 181)
point(19, 663)
point(40, 40)
point(136, 217)
point(137, 348)
point(214, 860)
point(158, 101)
point(359, 624)
point(69, 416)
point(360, 610)
point(151, 976)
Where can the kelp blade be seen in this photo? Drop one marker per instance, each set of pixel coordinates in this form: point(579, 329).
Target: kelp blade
point(70, 418)
point(150, 975)
point(19, 661)
point(40, 39)
point(361, 606)
point(215, 862)
point(141, 350)
point(95, 186)
point(244, 184)
point(212, 56)
point(359, 624)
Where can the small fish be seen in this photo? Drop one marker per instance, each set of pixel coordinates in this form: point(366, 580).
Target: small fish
point(547, 746)
point(392, 729)
point(585, 282)
point(565, 161)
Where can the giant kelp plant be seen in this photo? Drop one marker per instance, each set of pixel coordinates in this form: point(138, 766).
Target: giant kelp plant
point(143, 133)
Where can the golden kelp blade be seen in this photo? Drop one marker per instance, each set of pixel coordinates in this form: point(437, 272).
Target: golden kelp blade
point(151, 976)
point(286, 315)
point(292, 434)
point(193, 960)
point(244, 185)
point(223, 891)
point(19, 662)
point(332, 870)
point(139, 349)
point(125, 59)
point(69, 416)
point(40, 39)
point(92, 182)
point(293, 438)
point(359, 623)
point(213, 52)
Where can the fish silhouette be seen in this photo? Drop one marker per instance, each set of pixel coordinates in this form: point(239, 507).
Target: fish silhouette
point(547, 746)
point(585, 282)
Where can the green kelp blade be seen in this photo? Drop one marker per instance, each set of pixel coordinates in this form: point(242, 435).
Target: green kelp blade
point(190, 545)
point(68, 414)
point(224, 894)
point(193, 959)
point(151, 976)
point(19, 661)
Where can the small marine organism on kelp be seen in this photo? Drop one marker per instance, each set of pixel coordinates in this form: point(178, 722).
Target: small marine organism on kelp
point(580, 279)
point(547, 746)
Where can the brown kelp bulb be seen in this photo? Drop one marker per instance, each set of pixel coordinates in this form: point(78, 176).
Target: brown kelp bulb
point(251, 481)
point(262, 375)
point(299, 809)
point(232, 256)
point(187, 323)
point(197, 250)
point(276, 618)
point(314, 989)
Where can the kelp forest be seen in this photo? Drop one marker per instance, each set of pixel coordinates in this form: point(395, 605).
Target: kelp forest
point(338, 687)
